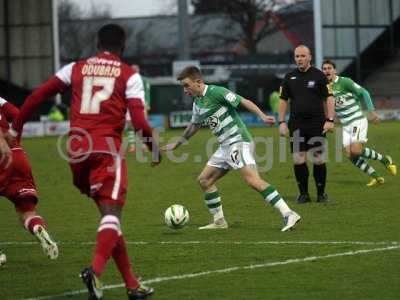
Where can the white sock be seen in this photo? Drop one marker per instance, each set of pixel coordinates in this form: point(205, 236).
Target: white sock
point(131, 137)
point(219, 213)
point(282, 207)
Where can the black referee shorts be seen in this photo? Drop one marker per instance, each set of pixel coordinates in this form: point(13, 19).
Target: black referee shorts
point(306, 137)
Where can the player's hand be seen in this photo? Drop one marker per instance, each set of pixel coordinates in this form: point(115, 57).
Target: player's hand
point(328, 127)
point(283, 129)
point(169, 147)
point(374, 117)
point(269, 119)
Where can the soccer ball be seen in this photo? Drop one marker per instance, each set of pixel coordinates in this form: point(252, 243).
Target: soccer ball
point(3, 259)
point(176, 216)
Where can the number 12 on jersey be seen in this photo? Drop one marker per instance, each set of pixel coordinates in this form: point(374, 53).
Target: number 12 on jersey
point(91, 101)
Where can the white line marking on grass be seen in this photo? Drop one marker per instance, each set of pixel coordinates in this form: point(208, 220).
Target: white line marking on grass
point(228, 270)
point(10, 243)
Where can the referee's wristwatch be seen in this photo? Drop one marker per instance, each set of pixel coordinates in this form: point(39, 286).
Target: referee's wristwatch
point(281, 122)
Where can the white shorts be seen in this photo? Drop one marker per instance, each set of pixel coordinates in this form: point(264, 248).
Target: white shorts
point(355, 132)
point(234, 157)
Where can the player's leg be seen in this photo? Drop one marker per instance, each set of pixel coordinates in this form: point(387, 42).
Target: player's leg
point(207, 179)
point(135, 289)
point(246, 164)
point(36, 225)
point(131, 139)
point(317, 152)
point(81, 170)
point(110, 196)
point(369, 153)
point(21, 190)
point(298, 148)
point(111, 242)
point(301, 173)
point(353, 152)
point(386, 160)
point(354, 140)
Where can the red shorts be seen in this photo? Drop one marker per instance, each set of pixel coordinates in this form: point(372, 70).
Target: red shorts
point(101, 176)
point(17, 182)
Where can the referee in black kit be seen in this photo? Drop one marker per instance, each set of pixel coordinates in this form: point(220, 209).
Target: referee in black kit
point(307, 90)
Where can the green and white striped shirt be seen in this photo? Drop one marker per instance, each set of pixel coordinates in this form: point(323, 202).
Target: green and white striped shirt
point(216, 108)
point(347, 96)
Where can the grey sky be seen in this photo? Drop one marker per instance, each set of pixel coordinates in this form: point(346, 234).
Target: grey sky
point(132, 8)
point(138, 8)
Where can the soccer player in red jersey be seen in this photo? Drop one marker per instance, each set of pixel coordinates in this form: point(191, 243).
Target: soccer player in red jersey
point(17, 184)
point(103, 88)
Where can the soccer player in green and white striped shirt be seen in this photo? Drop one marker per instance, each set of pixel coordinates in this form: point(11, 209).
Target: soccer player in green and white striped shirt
point(216, 107)
point(348, 95)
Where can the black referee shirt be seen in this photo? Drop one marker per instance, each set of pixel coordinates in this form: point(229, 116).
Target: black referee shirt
point(307, 92)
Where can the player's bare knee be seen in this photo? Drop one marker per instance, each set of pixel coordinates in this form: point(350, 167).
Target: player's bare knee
point(25, 210)
point(25, 206)
point(355, 151)
point(109, 209)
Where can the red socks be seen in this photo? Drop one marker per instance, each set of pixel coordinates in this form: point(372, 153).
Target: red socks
point(31, 223)
point(107, 238)
point(121, 258)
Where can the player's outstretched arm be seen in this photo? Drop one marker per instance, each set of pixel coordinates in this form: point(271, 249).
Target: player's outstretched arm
point(139, 123)
point(251, 107)
point(11, 113)
point(372, 115)
point(190, 131)
point(48, 89)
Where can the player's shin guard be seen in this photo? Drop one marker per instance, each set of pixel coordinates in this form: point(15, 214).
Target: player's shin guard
point(214, 204)
point(319, 173)
point(121, 258)
point(362, 164)
point(106, 240)
point(271, 195)
point(32, 223)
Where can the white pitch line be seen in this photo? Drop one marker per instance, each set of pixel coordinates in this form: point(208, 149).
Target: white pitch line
point(10, 243)
point(228, 270)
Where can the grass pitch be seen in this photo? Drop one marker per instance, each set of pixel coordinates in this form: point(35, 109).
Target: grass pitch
point(250, 260)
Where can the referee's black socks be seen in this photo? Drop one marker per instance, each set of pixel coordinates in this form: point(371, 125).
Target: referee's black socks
point(301, 173)
point(319, 173)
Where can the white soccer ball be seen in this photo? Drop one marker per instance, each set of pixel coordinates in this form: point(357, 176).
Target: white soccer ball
point(3, 259)
point(176, 216)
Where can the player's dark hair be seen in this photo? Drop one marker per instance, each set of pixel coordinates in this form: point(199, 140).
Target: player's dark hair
point(329, 62)
point(111, 37)
point(192, 72)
